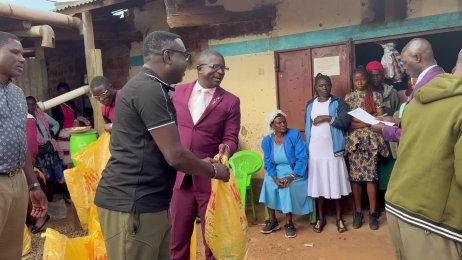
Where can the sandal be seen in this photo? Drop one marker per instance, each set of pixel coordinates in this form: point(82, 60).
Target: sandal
point(341, 226)
point(320, 223)
point(35, 229)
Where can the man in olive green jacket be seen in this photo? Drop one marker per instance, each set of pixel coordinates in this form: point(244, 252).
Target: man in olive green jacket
point(424, 197)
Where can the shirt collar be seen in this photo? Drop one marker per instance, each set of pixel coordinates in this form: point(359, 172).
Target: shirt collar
point(7, 83)
point(153, 75)
point(198, 87)
point(423, 73)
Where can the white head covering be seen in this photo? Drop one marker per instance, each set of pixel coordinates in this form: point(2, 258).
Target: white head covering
point(270, 118)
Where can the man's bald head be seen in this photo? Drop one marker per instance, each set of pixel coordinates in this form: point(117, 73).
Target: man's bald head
point(417, 55)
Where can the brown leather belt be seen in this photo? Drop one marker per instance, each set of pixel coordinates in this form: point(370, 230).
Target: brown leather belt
point(11, 173)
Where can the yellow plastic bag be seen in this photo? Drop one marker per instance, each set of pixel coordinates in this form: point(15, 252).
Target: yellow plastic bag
point(96, 249)
point(83, 179)
point(82, 182)
point(60, 247)
point(193, 247)
point(226, 230)
point(26, 242)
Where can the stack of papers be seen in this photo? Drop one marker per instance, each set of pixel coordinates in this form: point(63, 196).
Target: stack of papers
point(367, 118)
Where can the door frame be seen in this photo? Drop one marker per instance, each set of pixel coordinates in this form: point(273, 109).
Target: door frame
point(406, 35)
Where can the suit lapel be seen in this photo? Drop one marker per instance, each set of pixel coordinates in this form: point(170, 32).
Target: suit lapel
point(185, 100)
point(216, 99)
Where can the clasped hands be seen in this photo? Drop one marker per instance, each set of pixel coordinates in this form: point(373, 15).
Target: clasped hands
point(321, 119)
point(284, 182)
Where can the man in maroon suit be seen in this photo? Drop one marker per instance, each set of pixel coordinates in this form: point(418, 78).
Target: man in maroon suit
point(208, 119)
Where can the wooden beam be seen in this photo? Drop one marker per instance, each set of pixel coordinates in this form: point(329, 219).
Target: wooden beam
point(197, 16)
point(94, 66)
point(214, 15)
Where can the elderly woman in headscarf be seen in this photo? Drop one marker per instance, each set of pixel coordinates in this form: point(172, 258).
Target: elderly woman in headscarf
point(390, 97)
point(284, 186)
point(391, 104)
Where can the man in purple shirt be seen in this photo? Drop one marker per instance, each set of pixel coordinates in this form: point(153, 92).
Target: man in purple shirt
point(419, 62)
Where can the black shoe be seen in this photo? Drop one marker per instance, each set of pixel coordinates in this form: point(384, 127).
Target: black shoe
point(341, 226)
point(35, 229)
point(358, 220)
point(67, 197)
point(374, 221)
point(290, 230)
point(271, 225)
point(320, 223)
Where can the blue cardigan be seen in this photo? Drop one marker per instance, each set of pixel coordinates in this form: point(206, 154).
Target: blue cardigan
point(294, 148)
point(338, 109)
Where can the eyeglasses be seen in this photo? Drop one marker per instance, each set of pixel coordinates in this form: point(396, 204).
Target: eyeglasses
point(215, 67)
point(102, 95)
point(186, 55)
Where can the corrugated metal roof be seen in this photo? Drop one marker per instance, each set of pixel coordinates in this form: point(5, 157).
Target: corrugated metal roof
point(63, 4)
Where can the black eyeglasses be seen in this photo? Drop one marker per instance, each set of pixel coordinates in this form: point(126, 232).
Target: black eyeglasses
point(215, 67)
point(186, 55)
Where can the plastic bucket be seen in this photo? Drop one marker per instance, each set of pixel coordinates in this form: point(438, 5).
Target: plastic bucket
point(80, 141)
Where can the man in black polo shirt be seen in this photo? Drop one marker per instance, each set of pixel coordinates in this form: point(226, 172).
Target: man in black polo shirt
point(134, 192)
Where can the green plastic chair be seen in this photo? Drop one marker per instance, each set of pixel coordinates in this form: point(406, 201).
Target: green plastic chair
point(245, 163)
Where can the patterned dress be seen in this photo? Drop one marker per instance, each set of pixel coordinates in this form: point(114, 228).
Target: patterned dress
point(363, 145)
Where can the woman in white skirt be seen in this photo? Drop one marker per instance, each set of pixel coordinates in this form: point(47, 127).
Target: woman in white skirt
point(326, 120)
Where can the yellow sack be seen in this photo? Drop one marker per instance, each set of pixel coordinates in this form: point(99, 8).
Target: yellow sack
point(83, 179)
point(193, 247)
point(60, 247)
point(226, 230)
point(96, 249)
point(26, 242)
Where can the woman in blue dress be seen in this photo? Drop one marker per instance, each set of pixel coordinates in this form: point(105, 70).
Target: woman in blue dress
point(284, 186)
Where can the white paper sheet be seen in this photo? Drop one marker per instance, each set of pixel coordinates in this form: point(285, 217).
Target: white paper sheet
point(367, 118)
point(326, 65)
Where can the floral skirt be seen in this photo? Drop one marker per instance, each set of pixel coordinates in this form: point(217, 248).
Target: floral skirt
point(363, 166)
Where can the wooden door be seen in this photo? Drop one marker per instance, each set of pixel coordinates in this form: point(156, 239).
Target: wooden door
point(295, 72)
point(294, 86)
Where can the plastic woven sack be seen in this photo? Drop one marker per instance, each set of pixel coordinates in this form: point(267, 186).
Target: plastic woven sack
point(96, 249)
point(226, 230)
point(60, 247)
point(83, 179)
point(26, 242)
point(193, 247)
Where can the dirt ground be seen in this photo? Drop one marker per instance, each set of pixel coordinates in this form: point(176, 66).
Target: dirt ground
point(357, 244)
point(354, 244)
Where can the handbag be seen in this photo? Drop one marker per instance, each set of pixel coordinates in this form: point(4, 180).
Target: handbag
point(46, 148)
